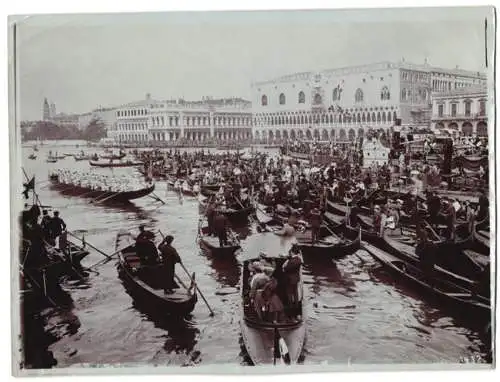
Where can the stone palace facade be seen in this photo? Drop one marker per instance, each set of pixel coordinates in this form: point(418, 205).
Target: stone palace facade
point(345, 103)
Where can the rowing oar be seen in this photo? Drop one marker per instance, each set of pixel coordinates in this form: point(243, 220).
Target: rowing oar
point(106, 198)
point(156, 197)
point(195, 283)
point(91, 246)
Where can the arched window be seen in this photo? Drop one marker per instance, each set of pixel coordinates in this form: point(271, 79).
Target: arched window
point(363, 118)
point(335, 95)
point(383, 116)
point(302, 97)
point(378, 117)
point(368, 117)
point(264, 100)
point(385, 95)
point(394, 116)
point(358, 96)
point(317, 99)
point(405, 94)
point(282, 99)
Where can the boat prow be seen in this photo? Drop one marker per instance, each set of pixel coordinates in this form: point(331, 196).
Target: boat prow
point(261, 344)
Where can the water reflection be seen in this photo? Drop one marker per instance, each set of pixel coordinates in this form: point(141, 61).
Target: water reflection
point(181, 336)
point(227, 270)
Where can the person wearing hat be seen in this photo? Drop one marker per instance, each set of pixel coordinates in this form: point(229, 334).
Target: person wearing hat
point(449, 215)
point(57, 226)
point(45, 225)
point(291, 269)
point(221, 224)
point(433, 207)
point(315, 221)
point(144, 246)
point(170, 257)
point(259, 279)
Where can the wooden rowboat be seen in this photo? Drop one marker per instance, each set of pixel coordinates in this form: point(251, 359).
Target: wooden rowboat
point(119, 156)
point(448, 294)
point(211, 243)
point(330, 247)
point(115, 164)
point(235, 216)
point(99, 195)
point(145, 282)
point(267, 342)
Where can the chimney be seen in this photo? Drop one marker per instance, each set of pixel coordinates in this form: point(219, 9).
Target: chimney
point(148, 96)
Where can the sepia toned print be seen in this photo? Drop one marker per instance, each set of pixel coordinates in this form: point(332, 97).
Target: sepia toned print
point(284, 190)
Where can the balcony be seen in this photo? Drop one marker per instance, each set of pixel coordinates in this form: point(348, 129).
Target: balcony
point(459, 116)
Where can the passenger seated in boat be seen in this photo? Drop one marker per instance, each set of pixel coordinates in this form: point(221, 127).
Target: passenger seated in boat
point(291, 269)
point(267, 304)
point(170, 258)
point(144, 246)
point(259, 279)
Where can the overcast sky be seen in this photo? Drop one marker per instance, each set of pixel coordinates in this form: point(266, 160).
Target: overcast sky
point(80, 62)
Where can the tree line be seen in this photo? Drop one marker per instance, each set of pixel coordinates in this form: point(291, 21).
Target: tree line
point(46, 130)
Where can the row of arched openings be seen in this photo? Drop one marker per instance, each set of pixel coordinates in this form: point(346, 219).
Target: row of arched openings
point(360, 117)
point(385, 95)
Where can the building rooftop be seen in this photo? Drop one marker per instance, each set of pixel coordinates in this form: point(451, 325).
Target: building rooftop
point(372, 67)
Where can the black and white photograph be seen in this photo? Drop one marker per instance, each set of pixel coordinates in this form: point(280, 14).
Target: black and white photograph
point(236, 191)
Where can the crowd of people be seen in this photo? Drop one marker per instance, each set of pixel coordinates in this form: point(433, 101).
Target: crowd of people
point(39, 232)
point(96, 181)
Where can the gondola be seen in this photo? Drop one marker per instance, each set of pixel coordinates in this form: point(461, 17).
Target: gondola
point(452, 263)
point(99, 195)
point(115, 164)
point(481, 238)
point(144, 282)
point(211, 243)
point(235, 216)
point(267, 342)
point(447, 293)
point(81, 157)
point(210, 189)
point(330, 247)
point(177, 185)
point(119, 156)
point(51, 160)
point(32, 157)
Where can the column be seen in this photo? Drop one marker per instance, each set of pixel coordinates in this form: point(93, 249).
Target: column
point(181, 123)
point(212, 120)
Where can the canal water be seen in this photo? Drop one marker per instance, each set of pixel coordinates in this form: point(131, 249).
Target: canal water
point(356, 313)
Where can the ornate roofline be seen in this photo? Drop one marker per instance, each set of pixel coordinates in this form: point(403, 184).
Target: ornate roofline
point(384, 65)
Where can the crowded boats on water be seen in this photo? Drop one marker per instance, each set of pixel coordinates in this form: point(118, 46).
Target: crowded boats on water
point(423, 214)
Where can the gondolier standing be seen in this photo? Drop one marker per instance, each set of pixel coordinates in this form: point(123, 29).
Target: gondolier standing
point(145, 248)
point(220, 226)
point(170, 258)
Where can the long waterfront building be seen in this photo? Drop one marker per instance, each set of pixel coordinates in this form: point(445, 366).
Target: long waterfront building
point(345, 103)
point(173, 120)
